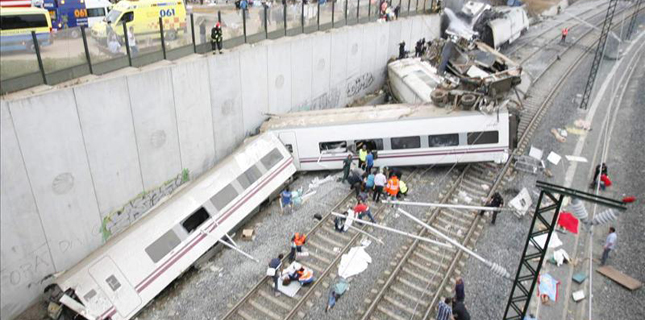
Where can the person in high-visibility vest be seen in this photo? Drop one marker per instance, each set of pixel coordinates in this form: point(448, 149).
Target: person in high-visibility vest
point(297, 241)
point(403, 189)
point(305, 276)
point(565, 31)
point(393, 187)
point(362, 156)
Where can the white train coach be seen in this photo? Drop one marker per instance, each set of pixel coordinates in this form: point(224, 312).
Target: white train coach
point(401, 135)
point(121, 277)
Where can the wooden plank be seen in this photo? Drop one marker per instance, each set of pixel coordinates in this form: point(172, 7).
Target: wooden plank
point(622, 279)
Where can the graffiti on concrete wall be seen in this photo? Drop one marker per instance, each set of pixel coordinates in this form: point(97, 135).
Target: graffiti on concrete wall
point(327, 100)
point(134, 209)
point(358, 84)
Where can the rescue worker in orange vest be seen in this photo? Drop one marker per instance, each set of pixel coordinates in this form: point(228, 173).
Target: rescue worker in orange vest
point(565, 31)
point(305, 276)
point(393, 187)
point(297, 241)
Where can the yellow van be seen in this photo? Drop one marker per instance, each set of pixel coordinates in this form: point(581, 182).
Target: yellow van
point(16, 25)
point(143, 16)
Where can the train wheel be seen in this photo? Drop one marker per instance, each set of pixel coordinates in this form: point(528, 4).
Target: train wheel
point(468, 101)
point(439, 96)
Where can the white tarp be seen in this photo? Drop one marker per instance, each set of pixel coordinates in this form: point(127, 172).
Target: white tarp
point(522, 202)
point(554, 243)
point(354, 262)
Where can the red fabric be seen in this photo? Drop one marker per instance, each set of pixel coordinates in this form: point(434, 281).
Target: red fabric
point(360, 208)
point(569, 222)
point(629, 199)
point(605, 179)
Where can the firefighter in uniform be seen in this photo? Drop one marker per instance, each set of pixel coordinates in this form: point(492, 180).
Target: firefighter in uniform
point(216, 38)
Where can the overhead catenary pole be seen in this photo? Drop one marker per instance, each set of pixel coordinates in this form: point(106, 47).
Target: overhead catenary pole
point(443, 205)
point(231, 246)
point(394, 230)
point(497, 269)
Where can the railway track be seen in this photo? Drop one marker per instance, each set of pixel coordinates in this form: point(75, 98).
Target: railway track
point(260, 302)
point(413, 286)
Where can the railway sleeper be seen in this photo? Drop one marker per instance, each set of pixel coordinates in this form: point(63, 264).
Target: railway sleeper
point(320, 247)
point(400, 306)
point(389, 313)
point(264, 310)
point(425, 266)
point(415, 275)
point(275, 300)
point(417, 254)
point(409, 297)
point(436, 250)
point(328, 239)
point(415, 286)
point(462, 220)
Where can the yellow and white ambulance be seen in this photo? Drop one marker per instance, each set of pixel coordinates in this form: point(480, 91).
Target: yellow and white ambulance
point(143, 16)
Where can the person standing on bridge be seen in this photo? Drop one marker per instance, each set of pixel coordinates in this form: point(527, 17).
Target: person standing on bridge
point(216, 38)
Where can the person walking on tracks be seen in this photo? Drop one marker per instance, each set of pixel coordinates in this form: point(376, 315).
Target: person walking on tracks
point(459, 311)
point(274, 267)
point(565, 32)
point(216, 38)
point(362, 209)
point(460, 294)
point(610, 244)
point(496, 201)
point(297, 241)
point(601, 169)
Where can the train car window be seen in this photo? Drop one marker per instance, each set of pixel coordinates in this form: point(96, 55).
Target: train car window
point(483, 137)
point(160, 248)
point(249, 176)
point(113, 283)
point(405, 142)
point(272, 158)
point(195, 220)
point(443, 140)
point(333, 146)
point(224, 197)
point(372, 144)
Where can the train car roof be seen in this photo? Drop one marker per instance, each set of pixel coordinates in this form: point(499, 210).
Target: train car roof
point(344, 116)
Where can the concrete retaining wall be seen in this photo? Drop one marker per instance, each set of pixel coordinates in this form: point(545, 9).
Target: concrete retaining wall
point(82, 163)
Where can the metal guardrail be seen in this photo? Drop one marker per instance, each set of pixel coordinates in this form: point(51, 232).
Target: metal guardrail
point(68, 58)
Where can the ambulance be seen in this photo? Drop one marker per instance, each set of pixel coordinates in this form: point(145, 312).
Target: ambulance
point(143, 16)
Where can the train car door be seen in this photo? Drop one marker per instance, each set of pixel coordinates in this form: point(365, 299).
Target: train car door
point(289, 141)
point(115, 286)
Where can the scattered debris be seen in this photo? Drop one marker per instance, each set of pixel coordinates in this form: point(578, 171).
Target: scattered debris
point(248, 234)
point(579, 277)
point(578, 295)
point(578, 132)
point(619, 277)
point(485, 187)
point(548, 287)
point(535, 153)
point(554, 158)
point(576, 159)
point(521, 203)
point(560, 256)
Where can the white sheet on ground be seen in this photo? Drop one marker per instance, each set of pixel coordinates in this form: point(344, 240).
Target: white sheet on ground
point(554, 243)
point(354, 262)
point(291, 290)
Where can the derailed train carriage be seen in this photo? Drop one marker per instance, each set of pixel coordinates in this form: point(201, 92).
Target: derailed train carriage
point(117, 280)
point(401, 135)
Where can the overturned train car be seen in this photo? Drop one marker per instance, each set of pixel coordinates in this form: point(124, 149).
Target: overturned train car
point(117, 280)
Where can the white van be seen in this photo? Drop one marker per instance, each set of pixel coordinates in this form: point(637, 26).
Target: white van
point(96, 10)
